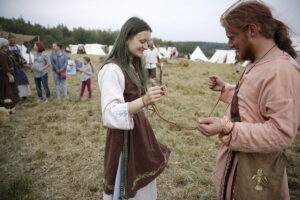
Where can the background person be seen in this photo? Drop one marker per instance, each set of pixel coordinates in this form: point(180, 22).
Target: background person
point(8, 89)
point(59, 62)
point(40, 66)
point(152, 61)
point(18, 61)
point(85, 77)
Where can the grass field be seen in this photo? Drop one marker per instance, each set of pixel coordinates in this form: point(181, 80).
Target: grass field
point(55, 151)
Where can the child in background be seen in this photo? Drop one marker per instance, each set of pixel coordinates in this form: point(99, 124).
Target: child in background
point(85, 77)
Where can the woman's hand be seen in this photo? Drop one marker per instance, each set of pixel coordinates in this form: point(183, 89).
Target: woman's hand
point(11, 78)
point(215, 83)
point(154, 94)
point(45, 67)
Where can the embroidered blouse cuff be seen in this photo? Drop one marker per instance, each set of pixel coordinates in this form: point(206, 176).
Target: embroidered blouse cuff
point(130, 119)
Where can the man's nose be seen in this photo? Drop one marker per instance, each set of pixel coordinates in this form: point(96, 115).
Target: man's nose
point(230, 44)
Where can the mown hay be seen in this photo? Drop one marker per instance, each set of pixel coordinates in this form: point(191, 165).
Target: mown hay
point(164, 60)
point(184, 62)
point(101, 59)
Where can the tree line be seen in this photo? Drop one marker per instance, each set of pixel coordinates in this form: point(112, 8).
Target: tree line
point(62, 34)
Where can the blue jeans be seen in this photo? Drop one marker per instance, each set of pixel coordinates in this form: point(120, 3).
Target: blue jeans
point(60, 83)
point(38, 84)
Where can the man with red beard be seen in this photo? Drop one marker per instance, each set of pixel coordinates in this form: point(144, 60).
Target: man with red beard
point(264, 107)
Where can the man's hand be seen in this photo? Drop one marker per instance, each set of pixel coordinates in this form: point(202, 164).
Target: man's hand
point(209, 126)
point(215, 83)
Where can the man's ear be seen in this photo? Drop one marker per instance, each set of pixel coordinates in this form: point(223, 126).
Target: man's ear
point(254, 30)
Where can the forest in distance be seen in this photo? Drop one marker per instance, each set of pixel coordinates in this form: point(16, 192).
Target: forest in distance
point(62, 34)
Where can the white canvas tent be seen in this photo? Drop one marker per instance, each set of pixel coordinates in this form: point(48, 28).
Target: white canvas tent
point(296, 45)
point(172, 51)
point(163, 52)
point(219, 56)
point(167, 52)
point(246, 63)
point(223, 56)
point(94, 49)
point(230, 59)
point(110, 48)
point(73, 48)
point(198, 55)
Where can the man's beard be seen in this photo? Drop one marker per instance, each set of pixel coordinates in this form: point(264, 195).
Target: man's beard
point(246, 52)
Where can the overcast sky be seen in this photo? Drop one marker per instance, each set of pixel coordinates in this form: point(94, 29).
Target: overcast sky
point(176, 20)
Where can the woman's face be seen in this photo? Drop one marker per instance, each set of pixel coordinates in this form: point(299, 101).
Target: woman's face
point(4, 48)
point(85, 61)
point(138, 43)
point(55, 47)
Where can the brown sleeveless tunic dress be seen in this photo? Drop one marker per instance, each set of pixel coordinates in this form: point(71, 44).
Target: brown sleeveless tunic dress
point(147, 157)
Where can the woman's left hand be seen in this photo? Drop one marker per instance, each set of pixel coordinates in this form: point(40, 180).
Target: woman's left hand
point(154, 94)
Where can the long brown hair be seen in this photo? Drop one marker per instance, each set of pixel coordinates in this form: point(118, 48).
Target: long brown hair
point(89, 61)
point(40, 47)
point(243, 13)
point(120, 51)
point(58, 44)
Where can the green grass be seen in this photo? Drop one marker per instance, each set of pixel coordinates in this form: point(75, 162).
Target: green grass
point(56, 150)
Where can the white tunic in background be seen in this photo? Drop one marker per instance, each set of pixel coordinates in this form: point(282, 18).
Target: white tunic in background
point(151, 58)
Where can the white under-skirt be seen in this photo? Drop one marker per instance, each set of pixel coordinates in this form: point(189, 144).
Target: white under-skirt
point(24, 90)
point(149, 192)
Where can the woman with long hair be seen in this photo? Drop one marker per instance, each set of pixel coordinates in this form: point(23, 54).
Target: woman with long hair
point(133, 157)
point(59, 62)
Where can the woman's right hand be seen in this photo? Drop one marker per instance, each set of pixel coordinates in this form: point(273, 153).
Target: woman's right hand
point(154, 94)
point(45, 67)
point(215, 83)
point(11, 78)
